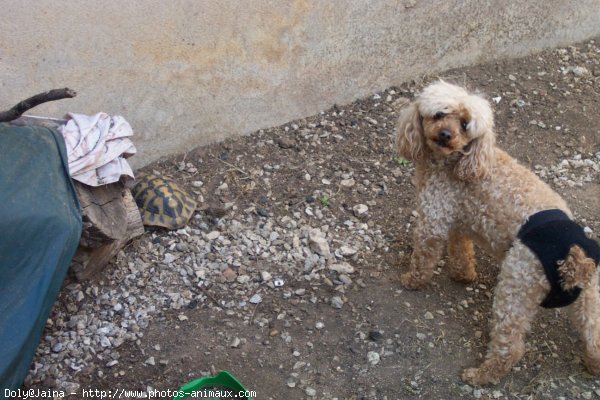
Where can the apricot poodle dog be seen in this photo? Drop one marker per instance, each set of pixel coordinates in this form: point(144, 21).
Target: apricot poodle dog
point(471, 192)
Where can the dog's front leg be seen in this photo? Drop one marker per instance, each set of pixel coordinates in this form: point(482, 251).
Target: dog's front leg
point(427, 250)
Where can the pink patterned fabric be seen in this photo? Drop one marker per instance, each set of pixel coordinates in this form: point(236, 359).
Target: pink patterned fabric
point(97, 147)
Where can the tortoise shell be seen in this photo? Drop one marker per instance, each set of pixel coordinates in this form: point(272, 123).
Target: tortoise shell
point(162, 202)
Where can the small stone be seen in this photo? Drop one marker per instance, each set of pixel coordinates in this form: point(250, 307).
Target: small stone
point(375, 335)
point(286, 143)
point(169, 258)
point(310, 392)
point(337, 302)
point(342, 268)
point(428, 315)
point(580, 71)
point(182, 247)
point(58, 347)
point(236, 343)
point(213, 235)
point(347, 251)
point(255, 299)
point(360, 209)
point(265, 276)
point(319, 325)
point(347, 182)
point(229, 275)
point(421, 336)
point(150, 361)
point(318, 242)
point(182, 317)
point(373, 357)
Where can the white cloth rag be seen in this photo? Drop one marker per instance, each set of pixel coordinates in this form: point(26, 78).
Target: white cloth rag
point(97, 148)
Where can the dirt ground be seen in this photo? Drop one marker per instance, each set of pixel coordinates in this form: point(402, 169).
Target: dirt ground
point(294, 344)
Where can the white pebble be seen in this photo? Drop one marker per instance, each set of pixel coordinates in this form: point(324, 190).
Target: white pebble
point(342, 268)
point(256, 299)
point(373, 357)
point(360, 209)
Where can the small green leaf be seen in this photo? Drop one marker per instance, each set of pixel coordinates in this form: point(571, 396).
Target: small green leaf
point(324, 200)
point(401, 161)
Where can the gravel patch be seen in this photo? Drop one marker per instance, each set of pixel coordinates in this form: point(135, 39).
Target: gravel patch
point(290, 263)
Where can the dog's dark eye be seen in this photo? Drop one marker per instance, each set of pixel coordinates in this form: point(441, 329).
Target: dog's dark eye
point(464, 124)
point(439, 115)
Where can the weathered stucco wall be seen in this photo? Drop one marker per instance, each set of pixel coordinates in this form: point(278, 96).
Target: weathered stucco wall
point(188, 72)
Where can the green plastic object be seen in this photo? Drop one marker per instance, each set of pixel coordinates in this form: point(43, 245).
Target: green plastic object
point(220, 385)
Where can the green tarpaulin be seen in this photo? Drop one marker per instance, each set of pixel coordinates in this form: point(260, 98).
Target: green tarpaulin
point(40, 227)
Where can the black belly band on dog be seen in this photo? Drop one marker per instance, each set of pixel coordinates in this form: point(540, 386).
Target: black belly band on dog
point(550, 234)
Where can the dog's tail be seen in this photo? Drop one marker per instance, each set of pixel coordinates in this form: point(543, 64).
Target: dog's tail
point(577, 270)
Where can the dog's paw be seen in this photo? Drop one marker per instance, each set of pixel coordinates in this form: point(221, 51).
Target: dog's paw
point(409, 281)
point(472, 376)
point(478, 377)
point(464, 277)
point(592, 363)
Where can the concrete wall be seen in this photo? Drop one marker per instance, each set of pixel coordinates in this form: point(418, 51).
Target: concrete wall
point(188, 72)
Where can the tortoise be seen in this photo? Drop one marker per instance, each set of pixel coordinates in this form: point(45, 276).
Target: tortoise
point(162, 202)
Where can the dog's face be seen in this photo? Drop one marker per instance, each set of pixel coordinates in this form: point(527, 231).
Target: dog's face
point(446, 121)
point(446, 131)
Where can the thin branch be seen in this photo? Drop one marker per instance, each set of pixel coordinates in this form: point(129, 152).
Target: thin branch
point(241, 171)
point(21, 107)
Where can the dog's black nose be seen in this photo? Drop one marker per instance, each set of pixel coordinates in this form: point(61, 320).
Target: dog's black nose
point(445, 135)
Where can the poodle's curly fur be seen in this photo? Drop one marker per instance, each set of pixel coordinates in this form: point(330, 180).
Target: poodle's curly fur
point(470, 191)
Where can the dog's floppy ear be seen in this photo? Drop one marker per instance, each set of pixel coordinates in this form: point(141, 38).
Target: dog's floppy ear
point(475, 163)
point(409, 133)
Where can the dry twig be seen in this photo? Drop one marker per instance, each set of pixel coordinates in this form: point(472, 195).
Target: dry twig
point(22, 106)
